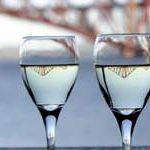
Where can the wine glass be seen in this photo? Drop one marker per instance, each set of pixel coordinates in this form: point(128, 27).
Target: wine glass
point(122, 66)
point(49, 66)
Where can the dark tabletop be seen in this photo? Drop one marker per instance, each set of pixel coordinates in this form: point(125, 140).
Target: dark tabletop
point(79, 148)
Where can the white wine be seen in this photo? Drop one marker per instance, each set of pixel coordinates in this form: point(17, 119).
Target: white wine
point(125, 88)
point(49, 85)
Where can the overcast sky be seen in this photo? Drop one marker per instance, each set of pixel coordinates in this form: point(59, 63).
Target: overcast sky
point(13, 29)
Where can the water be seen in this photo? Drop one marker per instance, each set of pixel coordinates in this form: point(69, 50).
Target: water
point(121, 85)
point(49, 84)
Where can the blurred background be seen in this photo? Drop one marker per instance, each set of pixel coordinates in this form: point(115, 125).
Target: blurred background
point(85, 120)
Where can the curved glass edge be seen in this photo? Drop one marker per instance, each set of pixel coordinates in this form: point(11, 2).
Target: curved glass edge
point(28, 38)
point(48, 37)
point(123, 35)
point(101, 37)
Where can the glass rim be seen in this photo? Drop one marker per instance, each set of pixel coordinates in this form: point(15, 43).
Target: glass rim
point(48, 37)
point(123, 35)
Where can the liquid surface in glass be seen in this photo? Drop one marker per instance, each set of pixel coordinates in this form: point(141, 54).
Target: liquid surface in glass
point(49, 84)
point(125, 88)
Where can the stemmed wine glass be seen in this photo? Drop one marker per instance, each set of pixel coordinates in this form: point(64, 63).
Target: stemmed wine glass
point(122, 66)
point(49, 66)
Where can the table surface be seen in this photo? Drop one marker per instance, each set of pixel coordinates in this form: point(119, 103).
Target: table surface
point(79, 148)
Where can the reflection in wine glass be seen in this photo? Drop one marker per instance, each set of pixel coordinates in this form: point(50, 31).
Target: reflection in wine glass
point(49, 66)
point(122, 65)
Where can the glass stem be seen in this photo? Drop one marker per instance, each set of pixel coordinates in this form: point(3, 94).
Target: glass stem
point(126, 128)
point(126, 124)
point(50, 118)
point(50, 125)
